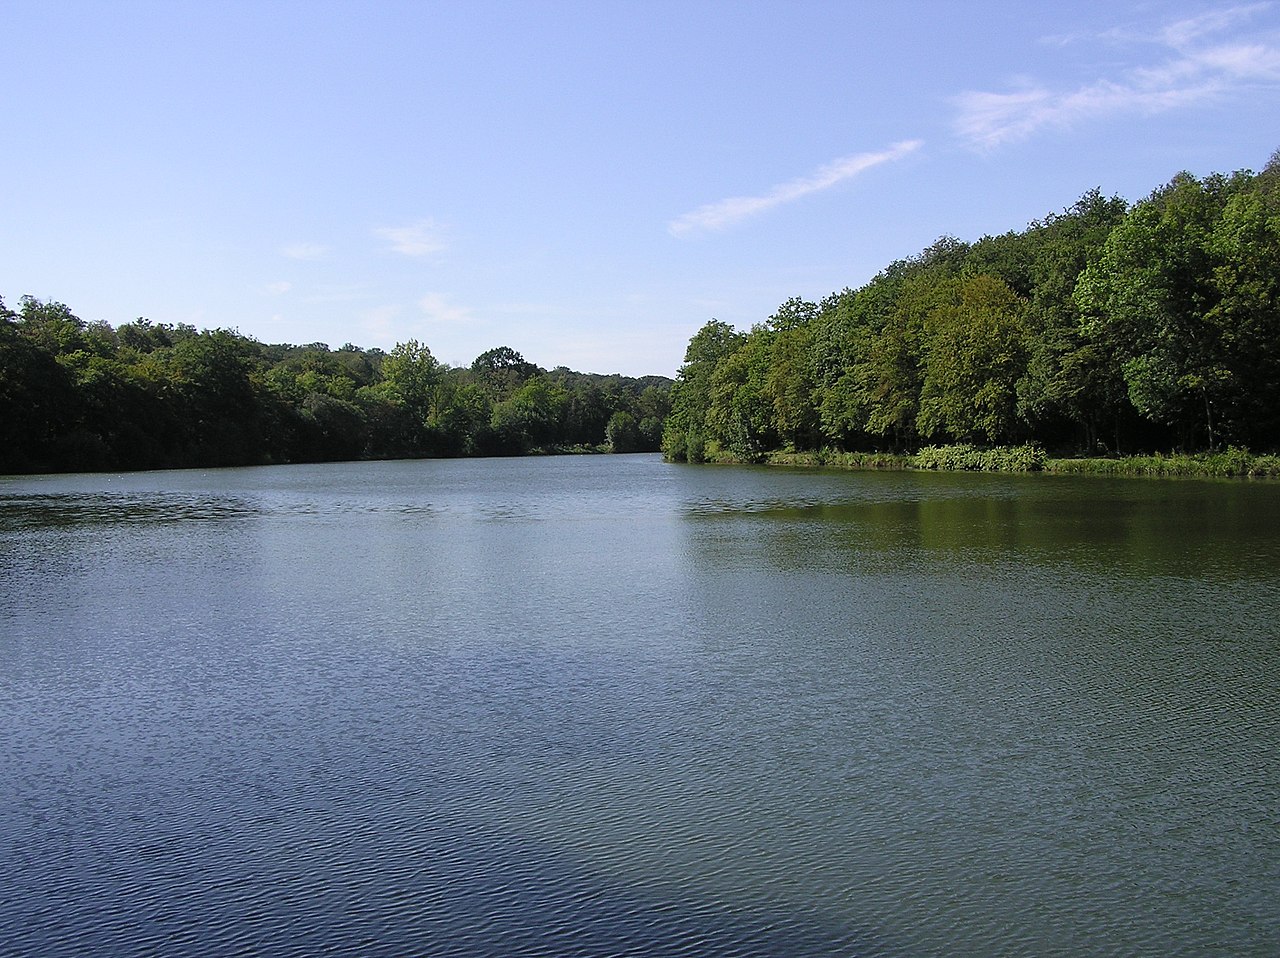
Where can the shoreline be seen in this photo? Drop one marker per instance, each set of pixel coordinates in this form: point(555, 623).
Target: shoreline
point(1228, 464)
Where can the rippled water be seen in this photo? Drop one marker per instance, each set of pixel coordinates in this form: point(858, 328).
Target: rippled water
point(607, 706)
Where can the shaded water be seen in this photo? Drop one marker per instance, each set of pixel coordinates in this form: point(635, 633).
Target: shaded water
point(607, 706)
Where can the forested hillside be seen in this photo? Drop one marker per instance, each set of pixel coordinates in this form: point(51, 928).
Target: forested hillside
point(1103, 328)
point(83, 396)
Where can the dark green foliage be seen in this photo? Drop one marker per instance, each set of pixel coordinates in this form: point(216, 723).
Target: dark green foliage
point(1153, 300)
point(37, 401)
point(974, 356)
point(685, 436)
point(503, 370)
point(1100, 328)
point(76, 396)
point(623, 432)
point(333, 430)
point(531, 419)
point(742, 415)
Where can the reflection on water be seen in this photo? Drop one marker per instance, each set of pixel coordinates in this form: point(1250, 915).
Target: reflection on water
point(1197, 529)
point(96, 508)
point(606, 706)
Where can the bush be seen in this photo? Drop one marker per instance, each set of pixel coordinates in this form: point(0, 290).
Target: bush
point(1230, 463)
point(962, 457)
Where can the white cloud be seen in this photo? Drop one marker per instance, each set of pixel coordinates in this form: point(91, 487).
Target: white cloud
point(417, 239)
point(1183, 32)
point(717, 216)
point(1191, 75)
point(305, 251)
point(278, 288)
point(1254, 61)
point(437, 310)
point(989, 118)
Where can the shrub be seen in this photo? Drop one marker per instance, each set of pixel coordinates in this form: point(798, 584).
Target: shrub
point(963, 457)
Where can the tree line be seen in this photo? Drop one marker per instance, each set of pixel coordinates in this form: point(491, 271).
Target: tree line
point(87, 396)
point(1106, 327)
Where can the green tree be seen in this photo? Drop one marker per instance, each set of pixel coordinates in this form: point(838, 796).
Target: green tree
point(623, 432)
point(413, 375)
point(1073, 385)
point(795, 313)
point(838, 342)
point(219, 409)
point(790, 386)
point(685, 434)
point(463, 423)
point(586, 414)
point(741, 413)
point(35, 399)
point(502, 371)
point(531, 418)
point(887, 381)
point(1245, 246)
point(974, 357)
point(54, 327)
point(144, 337)
point(1151, 299)
point(337, 428)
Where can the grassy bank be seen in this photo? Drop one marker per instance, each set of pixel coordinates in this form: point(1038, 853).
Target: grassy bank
point(832, 459)
point(1230, 463)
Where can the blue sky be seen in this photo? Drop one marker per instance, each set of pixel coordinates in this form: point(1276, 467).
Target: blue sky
point(588, 183)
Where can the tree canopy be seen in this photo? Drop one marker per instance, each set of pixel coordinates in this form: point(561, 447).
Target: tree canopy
point(1106, 326)
point(77, 396)
point(1103, 327)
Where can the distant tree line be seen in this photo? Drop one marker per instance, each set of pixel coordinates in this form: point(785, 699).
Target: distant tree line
point(1106, 326)
point(86, 396)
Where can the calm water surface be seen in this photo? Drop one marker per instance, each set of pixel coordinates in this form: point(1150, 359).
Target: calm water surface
point(607, 706)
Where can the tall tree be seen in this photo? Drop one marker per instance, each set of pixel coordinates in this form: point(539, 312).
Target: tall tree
point(974, 357)
point(685, 434)
point(502, 370)
point(791, 385)
point(532, 417)
point(741, 412)
point(1152, 299)
point(413, 375)
point(1246, 277)
point(36, 397)
point(1073, 386)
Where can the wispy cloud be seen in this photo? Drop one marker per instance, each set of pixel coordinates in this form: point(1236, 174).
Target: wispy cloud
point(1183, 32)
point(1195, 70)
point(305, 251)
point(719, 215)
point(278, 288)
point(1113, 35)
point(438, 310)
point(422, 238)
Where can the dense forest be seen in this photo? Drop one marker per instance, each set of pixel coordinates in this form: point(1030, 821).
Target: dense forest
point(86, 396)
point(1105, 328)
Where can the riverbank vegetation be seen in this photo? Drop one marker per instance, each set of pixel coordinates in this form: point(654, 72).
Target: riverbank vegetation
point(1107, 331)
point(1228, 463)
point(87, 396)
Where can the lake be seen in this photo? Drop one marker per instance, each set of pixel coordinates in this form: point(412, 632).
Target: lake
point(592, 706)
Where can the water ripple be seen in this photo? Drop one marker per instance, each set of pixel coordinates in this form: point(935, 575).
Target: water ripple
point(383, 709)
